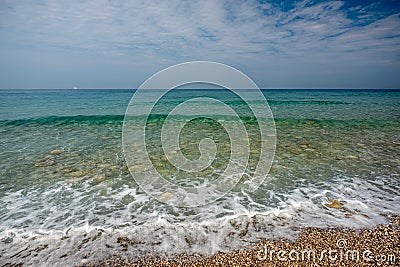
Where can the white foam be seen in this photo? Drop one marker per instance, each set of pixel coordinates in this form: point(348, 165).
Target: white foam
point(53, 230)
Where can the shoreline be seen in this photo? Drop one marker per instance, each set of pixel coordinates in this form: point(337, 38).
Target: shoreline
point(377, 246)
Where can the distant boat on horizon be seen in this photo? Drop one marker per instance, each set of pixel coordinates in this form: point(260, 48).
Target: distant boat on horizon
point(75, 88)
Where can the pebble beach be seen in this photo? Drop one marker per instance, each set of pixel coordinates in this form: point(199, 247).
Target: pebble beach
point(379, 246)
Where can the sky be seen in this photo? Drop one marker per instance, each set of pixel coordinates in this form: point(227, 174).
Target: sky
point(278, 44)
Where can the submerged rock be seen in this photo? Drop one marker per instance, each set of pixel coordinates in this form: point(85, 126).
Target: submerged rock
point(138, 168)
point(76, 176)
point(77, 173)
point(165, 196)
point(306, 145)
point(56, 151)
point(66, 170)
point(98, 178)
point(104, 165)
point(45, 162)
point(350, 214)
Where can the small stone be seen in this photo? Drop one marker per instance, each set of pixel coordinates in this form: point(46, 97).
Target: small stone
point(165, 197)
point(305, 144)
point(334, 142)
point(335, 204)
point(66, 170)
point(174, 151)
point(123, 239)
point(350, 214)
point(74, 179)
point(45, 163)
point(98, 178)
point(137, 168)
point(77, 173)
point(104, 165)
point(56, 151)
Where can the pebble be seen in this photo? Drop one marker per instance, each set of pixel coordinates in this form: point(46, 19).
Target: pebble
point(56, 152)
point(98, 178)
point(45, 163)
point(104, 165)
point(335, 204)
point(48, 160)
point(66, 170)
point(165, 196)
point(139, 167)
point(350, 214)
point(77, 173)
point(306, 146)
point(74, 180)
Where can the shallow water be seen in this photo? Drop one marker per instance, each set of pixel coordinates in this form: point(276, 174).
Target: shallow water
point(83, 204)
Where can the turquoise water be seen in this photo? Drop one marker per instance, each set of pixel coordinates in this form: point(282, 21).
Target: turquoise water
point(80, 203)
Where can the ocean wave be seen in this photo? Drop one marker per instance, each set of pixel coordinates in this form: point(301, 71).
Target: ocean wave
point(153, 118)
point(61, 120)
point(239, 220)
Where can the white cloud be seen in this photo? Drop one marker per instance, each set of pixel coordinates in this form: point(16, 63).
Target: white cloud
point(220, 30)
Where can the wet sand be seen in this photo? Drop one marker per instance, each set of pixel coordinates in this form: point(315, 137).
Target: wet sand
point(379, 246)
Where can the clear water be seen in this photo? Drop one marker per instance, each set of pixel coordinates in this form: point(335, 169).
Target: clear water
point(83, 205)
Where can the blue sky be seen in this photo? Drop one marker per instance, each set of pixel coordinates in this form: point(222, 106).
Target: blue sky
point(279, 44)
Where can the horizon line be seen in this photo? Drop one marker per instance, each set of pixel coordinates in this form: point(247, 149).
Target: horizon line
point(272, 88)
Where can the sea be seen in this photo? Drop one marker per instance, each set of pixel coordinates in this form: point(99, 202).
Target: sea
point(68, 196)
